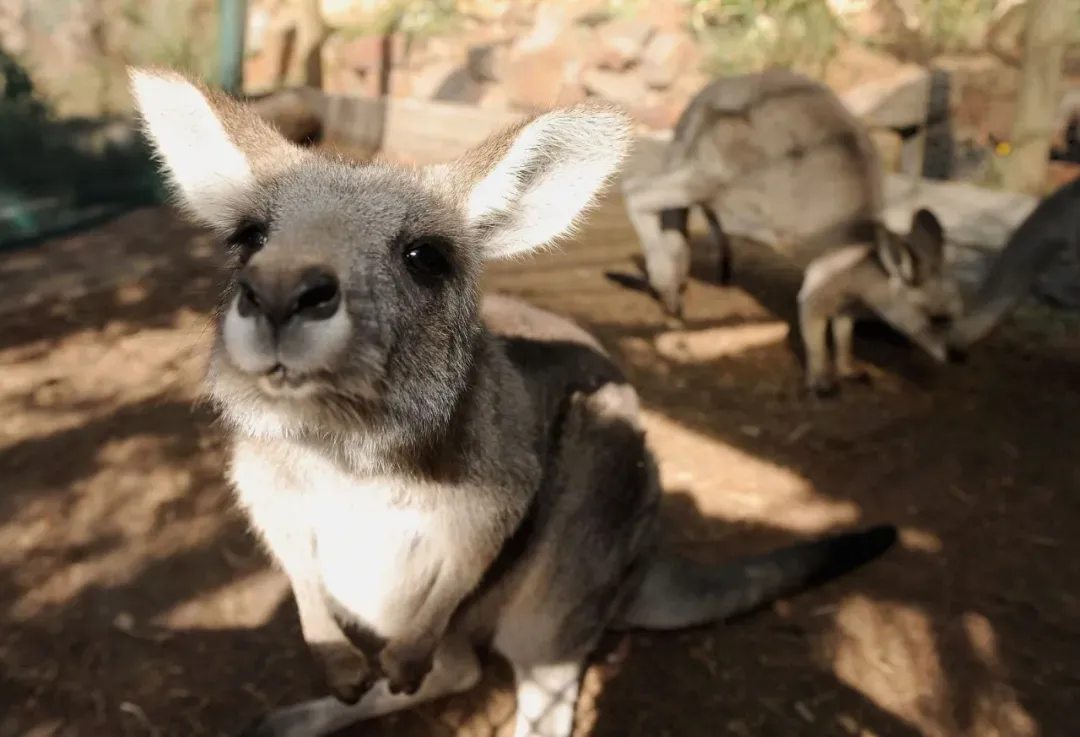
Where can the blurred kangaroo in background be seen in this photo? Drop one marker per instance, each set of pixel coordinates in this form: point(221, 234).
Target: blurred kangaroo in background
point(436, 472)
point(781, 149)
point(1051, 228)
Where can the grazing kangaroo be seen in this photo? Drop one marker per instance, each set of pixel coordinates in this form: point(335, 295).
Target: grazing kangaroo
point(435, 472)
point(782, 149)
point(1051, 228)
point(897, 278)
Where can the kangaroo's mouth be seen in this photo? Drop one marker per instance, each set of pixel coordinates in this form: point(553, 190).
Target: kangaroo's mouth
point(279, 381)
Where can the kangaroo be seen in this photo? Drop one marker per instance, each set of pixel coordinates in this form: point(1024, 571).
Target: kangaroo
point(436, 472)
point(781, 149)
point(896, 278)
point(1051, 228)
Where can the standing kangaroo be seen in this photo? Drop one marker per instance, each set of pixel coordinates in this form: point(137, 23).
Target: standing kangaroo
point(435, 472)
point(1051, 228)
point(781, 149)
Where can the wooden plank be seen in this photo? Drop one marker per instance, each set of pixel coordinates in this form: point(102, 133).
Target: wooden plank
point(419, 130)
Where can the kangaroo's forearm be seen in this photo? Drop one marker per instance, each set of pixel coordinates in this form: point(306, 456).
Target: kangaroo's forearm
point(408, 653)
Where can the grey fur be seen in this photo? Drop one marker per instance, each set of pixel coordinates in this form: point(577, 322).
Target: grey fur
point(783, 149)
point(449, 473)
point(1051, 228)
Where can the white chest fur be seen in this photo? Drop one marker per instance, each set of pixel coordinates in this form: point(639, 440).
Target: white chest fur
point(376, 553)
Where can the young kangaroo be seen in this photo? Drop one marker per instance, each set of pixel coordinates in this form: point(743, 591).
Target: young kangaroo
point(897, 278)
point(781, 149)
point(1051, 228)
point(436, 473)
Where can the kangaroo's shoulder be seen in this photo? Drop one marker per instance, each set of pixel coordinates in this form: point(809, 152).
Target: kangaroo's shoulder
point(550, 350)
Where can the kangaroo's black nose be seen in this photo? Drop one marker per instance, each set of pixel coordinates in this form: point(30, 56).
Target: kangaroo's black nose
point(941, 320)
point(313, 293)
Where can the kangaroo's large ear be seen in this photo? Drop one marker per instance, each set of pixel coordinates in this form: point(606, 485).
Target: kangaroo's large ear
point(927, 240)
point(895, 256)
point(212, 149)
point(528, 185)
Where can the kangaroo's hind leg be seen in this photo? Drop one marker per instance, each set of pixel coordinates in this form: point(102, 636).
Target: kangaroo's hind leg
point(721, 243)
point(843, 334)
point(547, 697)
point(585, 568)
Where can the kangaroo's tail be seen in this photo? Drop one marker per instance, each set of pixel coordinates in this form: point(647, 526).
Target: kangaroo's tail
point(1007, 284)
point(1051, 228)
point(677, 592)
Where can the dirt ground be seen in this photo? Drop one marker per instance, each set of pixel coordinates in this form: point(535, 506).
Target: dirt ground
point(135, 603)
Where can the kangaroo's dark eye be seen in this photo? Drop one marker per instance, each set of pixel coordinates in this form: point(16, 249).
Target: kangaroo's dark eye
point(427, 260)
point(249, 237)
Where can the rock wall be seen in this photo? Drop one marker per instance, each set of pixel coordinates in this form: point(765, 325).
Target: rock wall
point(531, 58)
point(75, 51)
point(497, 54)
point(521, 56)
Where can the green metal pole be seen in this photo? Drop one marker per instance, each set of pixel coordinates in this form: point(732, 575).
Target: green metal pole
point(233, 14)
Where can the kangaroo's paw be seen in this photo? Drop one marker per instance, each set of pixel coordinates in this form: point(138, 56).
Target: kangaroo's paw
point(823, 388)
point(857, 376)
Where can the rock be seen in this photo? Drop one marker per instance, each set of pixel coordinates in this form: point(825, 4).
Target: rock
point(898, 101)
point(622, 42)
point(870, 19)
point(625, 89)
point(487, 62)
point(549, 25)
point(336, 77)
point(1005, 35)
point(654, 110)
point(544, 77)
point(342, 78)
point(493, 97)
point(889, 145)
point(666, 56)
point(854, 64)
point(425, 51)
point(534, 78)
point(571, 93)
point(485, 10)
point(428, 82)
point(458, 86)
point(659, 114)
point(365, 53)
point(589, 12)
point(665, 15)
point(543, 68)
point(259, 20)
point(260, 72)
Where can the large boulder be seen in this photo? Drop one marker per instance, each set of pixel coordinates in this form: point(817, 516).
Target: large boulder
point(896, 101)
point(667, 56)
point(622, 42)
